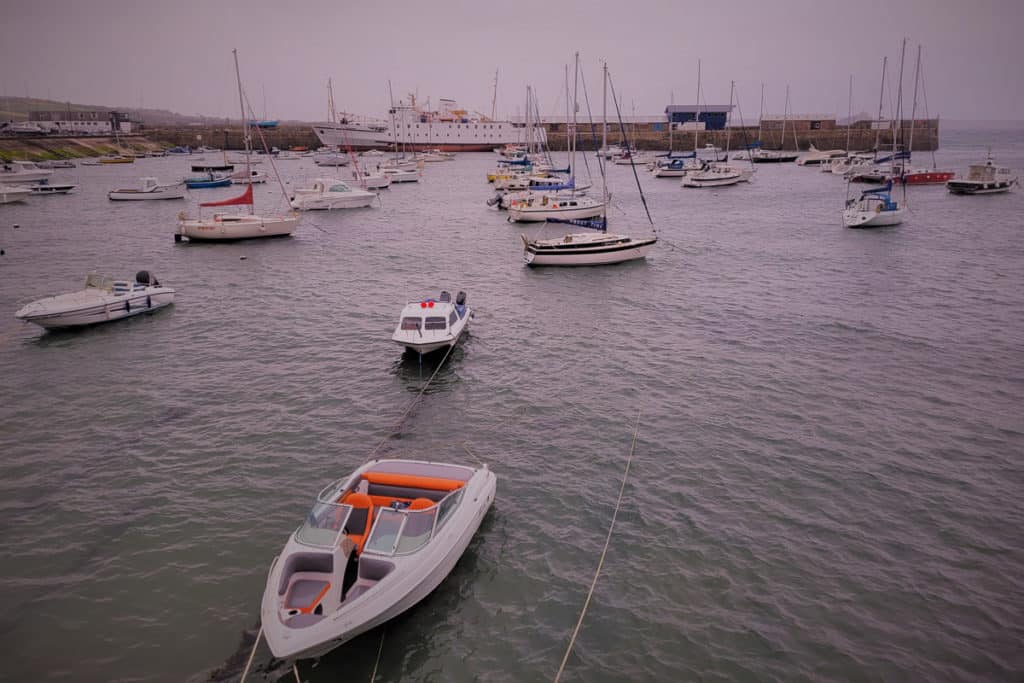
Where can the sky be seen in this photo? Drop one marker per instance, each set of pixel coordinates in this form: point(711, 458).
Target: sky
point(177, 55)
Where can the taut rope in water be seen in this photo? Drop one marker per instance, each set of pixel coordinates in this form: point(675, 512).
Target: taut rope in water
point(380, 648)
point(600, 564)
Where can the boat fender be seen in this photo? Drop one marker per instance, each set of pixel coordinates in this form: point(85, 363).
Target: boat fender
point(127, 306)
point(149, 302)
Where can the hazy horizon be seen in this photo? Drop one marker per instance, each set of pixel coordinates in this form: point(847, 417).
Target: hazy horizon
point(178, 57)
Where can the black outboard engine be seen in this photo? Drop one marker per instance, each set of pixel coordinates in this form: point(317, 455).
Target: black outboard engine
point(144, 277)
point(460, 298)
point(446, 297)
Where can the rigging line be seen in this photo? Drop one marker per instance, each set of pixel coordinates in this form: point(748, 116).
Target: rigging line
point(632, 165)
point(270, 157)
point(380, 649)
point(413, 403)
point(927, 118)
point(600, 564)
point(472, 454)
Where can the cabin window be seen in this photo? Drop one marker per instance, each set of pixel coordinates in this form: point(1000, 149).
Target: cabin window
point(411, 323)
point(435, 322)
point(452, 318)
point(340, 188)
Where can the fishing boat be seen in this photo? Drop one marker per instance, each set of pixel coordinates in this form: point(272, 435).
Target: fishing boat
point(207, 180)
point(984, 178)
point(52, 188)
point(874, 209)
point(433, 324)
point(329, 193)
point(235, 226)
point(16, 172)
point(13, 193)
point(150, 188)
point(373, 545)
point(103, 299)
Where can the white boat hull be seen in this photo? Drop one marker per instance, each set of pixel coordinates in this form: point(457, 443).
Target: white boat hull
point(538, 213)
point(330, 203)
point(596, 255)
point(10, 194)
point(89, 308)
point(854, 218)
point(176, 192)
point(237, 227)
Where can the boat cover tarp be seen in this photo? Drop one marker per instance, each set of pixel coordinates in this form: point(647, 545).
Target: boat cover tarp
point(679, 155)
point(515, 162)
point(244, 198)
point(753, 145)
point(599, 223)
point(893, 157)
point(548, 188)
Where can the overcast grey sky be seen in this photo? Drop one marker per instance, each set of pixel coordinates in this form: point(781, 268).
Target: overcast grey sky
point(176, 54)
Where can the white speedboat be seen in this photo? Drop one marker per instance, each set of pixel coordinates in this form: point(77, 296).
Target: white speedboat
point(538, 207)
point(150, 188)
point(399, 175)
point(814, 156)
point(103, 299)
point(13, 193)
point(373, 545)
point(714, 176)
point(433, 324)
point(676, 167)
point(328, 193)
point(984, 178)
point(370, 180)
point(585, 249)
point(874, 209)
point(15, 172)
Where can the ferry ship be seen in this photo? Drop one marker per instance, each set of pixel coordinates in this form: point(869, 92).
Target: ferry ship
point(449, 129)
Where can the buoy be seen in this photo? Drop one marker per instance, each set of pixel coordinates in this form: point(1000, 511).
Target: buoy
point(242, 258)
point(16, 226)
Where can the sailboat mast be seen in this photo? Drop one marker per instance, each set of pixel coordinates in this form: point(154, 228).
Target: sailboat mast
point(881, 99)
point(760, 117)
point(604, 106)
point(913, 109)
point(604, 116)
point(245, 126)
point(571, 174)
point(572, 131)
point(728, 114)
point(696, 116)
point(394, 127)
point(494, 99)
point(849, 116)
point(899, 103)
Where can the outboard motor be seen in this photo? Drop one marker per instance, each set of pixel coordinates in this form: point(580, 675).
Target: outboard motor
point(460, 298)
point(144, 277)
point(494, 200)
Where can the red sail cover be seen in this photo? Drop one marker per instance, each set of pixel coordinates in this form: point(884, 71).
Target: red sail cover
point(244, 198)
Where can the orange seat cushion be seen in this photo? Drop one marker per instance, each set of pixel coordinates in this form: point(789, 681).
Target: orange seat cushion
point(413, 481)
point(421, 504)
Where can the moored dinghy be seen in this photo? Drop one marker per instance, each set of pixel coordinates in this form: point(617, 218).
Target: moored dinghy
point(103, 299)
point(374, 544)
point(431, 325)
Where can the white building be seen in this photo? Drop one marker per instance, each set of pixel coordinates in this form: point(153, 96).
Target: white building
point(83, 122)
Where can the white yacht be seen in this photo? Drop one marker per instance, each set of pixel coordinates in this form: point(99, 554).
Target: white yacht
point(714, 176)
point(984, 178)
point(15, 172)
point(539, 207)
point(433, 324)
point(13, 193)
point(52, 188)
point(374, 544)
point(814, 156)
point(874, 209)
point(330, 193)
point(103, 299)
point(150, 188)
point(585, 249)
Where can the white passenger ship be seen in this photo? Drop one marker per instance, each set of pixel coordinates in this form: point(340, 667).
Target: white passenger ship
point(413, 128)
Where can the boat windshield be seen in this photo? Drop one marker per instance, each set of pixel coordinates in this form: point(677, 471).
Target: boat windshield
point(340, 187)
point(323, 524)
point(411, 323)
point(400, 532)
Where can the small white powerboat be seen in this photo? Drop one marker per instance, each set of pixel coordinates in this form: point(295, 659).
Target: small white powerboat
point(150, 188)
point(401, 175)
point(47, 187)
point(14, 172)
point(329, 193)
point(13, 193)
point(103, 299)
point(433, 324)
point(370, 180)
point(984, 178)
point(373, 545)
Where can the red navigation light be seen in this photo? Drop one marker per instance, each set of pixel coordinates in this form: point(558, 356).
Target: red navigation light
point(423, 304)
point(431, 303)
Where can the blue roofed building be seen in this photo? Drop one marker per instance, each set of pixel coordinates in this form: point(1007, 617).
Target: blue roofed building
point(713, 116)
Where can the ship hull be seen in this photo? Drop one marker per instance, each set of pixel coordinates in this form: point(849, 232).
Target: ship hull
point(447, 137)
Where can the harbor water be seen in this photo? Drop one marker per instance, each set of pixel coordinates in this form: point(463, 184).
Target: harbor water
point(827, 482)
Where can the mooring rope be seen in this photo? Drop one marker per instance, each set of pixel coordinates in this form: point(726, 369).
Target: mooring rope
point(412, 404)
point(255, 644)
point(380, 648)
point(600, 564)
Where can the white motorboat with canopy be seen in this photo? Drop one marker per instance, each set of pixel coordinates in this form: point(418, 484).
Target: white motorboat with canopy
point(984, 178)
point(373, 545)
point(433, 324)
point(330, 193)
point(237, 226)
point(13, 193)
point(103, 299)
point(16, 171)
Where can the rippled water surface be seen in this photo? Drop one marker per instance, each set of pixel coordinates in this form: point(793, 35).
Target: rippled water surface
point(827, 481)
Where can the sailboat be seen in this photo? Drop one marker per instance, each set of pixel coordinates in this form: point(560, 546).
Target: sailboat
point(918, 175)
point(759, 155)
point(236, 226)
point(717, 174)
point(875, 207)
point(588, 249)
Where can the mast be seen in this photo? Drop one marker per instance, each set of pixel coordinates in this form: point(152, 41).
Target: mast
point(394, 127)
point(572, 131)
point(785, 117)
point(881, 98)
point(760, 117)
point(728, 114)
point(245, 127)
point(899, 106)
point(571, 170)
point(849, 117)
point(913, 110)
point(494, 99)
point(604, 118)
point(332, 114)
point(604, 106)
point(696, 117)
